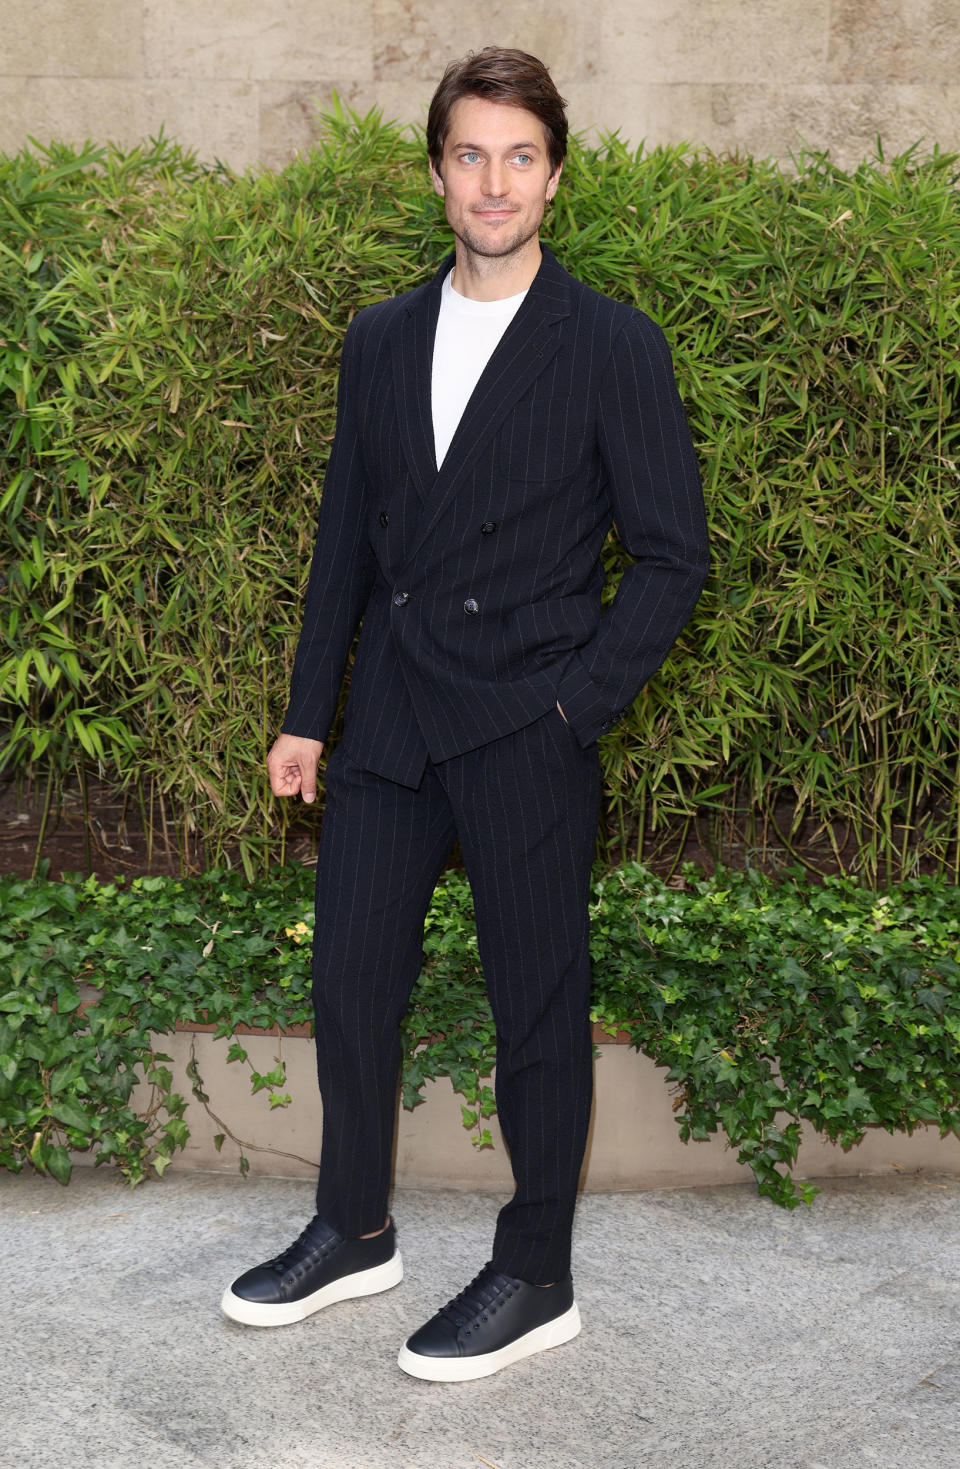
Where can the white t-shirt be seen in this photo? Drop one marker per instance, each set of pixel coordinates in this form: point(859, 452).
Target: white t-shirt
point(467, 333)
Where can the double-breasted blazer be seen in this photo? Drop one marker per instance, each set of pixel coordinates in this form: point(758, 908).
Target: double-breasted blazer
point(478, 586)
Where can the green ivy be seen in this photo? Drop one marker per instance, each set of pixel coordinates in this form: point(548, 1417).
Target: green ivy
point(776, 1003)
point(771, 1003)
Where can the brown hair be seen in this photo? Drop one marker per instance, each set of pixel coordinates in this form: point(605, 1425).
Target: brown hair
point(501, 74)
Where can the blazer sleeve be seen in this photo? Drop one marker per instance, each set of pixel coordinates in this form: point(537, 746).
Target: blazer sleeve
point(342, 571)
point(658, 508)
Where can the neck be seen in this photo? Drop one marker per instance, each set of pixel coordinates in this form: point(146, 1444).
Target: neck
point(492, 277)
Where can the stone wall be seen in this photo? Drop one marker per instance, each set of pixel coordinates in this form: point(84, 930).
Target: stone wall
point(240, 80)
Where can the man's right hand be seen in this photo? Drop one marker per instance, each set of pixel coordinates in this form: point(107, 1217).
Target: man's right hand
point(292, 766)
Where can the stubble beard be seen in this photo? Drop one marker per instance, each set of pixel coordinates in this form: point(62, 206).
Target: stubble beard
point(497, 248)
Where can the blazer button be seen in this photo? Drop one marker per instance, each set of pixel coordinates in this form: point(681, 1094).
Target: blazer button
point(383, 517)
point(400, 597)
point(471, 605)
point(488, 526)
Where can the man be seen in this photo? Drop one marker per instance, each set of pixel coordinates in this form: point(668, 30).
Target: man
point(491, 424)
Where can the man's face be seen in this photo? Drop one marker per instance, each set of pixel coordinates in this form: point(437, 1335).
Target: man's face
point(495, 176)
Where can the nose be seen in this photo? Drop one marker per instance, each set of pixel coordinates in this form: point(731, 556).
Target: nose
point(495, 180)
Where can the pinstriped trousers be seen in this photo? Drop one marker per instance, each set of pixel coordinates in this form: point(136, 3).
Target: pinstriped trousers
point(525, 809)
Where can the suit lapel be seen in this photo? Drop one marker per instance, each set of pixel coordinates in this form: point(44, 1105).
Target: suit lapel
point(522, 353)
point(412, 368)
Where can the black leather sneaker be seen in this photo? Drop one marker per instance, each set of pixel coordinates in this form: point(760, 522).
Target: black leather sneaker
point(320, 1267)
point(496, 1320)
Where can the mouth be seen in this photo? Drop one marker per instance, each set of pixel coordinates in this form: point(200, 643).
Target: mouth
point(494, 213)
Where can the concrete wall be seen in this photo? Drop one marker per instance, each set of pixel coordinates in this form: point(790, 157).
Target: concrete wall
point(634, 1142)
point(239, 79)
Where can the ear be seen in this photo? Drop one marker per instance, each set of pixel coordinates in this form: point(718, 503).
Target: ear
point(437, 180)
point(554, 180)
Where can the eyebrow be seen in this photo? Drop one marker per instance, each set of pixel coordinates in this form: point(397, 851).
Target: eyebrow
point(478, 147)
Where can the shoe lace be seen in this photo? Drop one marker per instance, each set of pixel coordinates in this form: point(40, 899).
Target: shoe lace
point(314, 1236)
point(481, 1295)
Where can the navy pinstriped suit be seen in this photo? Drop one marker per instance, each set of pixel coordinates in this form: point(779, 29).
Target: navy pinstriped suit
point(479, 589)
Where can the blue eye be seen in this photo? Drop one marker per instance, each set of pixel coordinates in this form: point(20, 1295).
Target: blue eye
point(468, 156)
point(525, 156)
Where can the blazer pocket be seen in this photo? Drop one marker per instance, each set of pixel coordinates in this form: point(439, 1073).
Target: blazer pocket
point(542, 439)
point(545, 630)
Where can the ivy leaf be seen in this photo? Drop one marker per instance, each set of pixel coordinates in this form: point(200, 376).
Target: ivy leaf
point(72, 1115)
point(58, 1162)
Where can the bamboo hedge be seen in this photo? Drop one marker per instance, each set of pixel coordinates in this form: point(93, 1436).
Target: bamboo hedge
point(169, 336)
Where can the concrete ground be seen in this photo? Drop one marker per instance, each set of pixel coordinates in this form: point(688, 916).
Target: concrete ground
point(719, 1332)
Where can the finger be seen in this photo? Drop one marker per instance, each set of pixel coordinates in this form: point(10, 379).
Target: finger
point(308, 781)
point(285, 781)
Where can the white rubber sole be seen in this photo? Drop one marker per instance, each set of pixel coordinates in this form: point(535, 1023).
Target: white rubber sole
point(464, 1369)
point(360, 1283)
